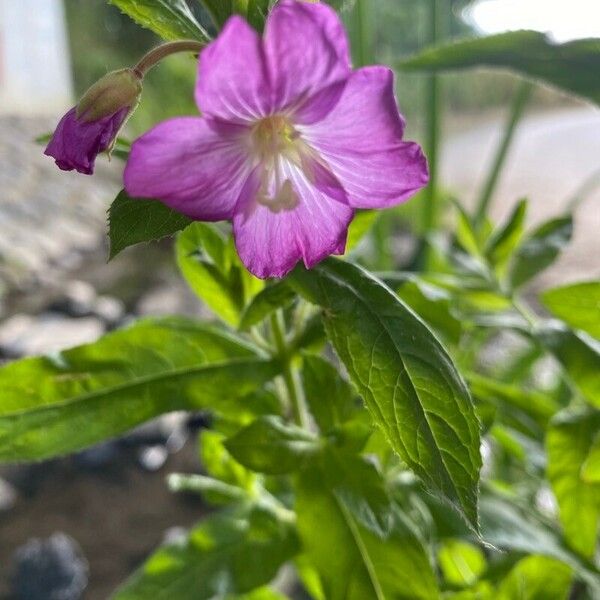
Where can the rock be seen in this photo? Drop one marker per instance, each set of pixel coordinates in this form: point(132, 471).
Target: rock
point(109, 309)
point(152, 458)
point(24, 335)
point(160, 301)
point(8, 495)
point(78, 299)
point(52, 569)
point(98, 456)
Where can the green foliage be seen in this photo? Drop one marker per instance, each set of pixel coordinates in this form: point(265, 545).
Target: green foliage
point(270, 445)
point(578, 305)
point(274, 296)
point(170, 19)
point(255, 11)
point(65, 402)
point(405, 376)
point(352, 562)
point(540, 249)
point(571, 67)
point(135, 220)
point(230, 553)
point(569, 441)
point(210, 265)
point(461, 563)
point(537, 578)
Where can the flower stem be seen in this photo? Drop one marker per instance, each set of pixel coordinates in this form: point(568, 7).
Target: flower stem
point(155, 55)
point(516, 112)
point(290, 377)
point(433, 97)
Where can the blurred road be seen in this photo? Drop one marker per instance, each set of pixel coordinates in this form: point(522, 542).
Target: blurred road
point(553, 153)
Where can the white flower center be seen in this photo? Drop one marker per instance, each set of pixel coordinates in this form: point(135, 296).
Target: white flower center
point(278, 147)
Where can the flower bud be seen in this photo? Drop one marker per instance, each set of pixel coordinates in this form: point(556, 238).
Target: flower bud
point(113, 92)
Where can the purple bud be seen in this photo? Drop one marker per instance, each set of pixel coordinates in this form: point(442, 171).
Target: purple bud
point(92, 126)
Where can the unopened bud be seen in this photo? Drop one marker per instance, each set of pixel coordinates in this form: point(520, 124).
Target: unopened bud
point(110, 94)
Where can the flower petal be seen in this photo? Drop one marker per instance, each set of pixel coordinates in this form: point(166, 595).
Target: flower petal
point(233, 83)
point(306, 50)
point(361, 140)
point(270, 243)
point(76, 143)
point(193, 165)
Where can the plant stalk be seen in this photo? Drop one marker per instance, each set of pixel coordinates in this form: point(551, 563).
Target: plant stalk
point(290, 377)
point(155, 55)
point(516, 112)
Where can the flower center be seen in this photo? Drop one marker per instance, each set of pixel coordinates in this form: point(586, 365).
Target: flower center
point(274, 135)
point(277, 145)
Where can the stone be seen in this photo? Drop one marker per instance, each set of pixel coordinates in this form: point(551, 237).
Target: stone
point(25, 335)
point(8, 496)
point(50, 569)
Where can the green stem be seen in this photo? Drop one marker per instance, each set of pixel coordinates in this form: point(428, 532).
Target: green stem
point(155, 55)
point(290, 377)
point(363, 34)
point(433, 112)
point(516, 112)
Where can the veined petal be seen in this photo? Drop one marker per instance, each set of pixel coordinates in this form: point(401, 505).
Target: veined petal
point(233, 83)
point(306, 50)
point(270, 242)
point(193, 165)
point(361, 140)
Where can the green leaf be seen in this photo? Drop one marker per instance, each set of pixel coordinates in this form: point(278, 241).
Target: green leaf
point(465, 233)
point(211, 267)
point(434, 305)
point(134, 220)
point(215, 491)
point(503, 526)
point(408, 381)
point(359, 487)
point(270, 445)
point(461, 563)
point(580, 356)
point(354, 563)
point(255, 11)
point(572, 67)
point(360, 226)
point(577, 304)
point(227, 553)
point(272, 297)
point(218, 462)
point(540, 249)
point(331, 398)
point(505, 240)
point(67, 401)
point(537, 578)
point(590, 470)
point(535, 404)
point(568, 442)
point(170, 19)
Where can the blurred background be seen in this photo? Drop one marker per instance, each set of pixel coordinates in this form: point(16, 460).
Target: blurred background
point(100, 513)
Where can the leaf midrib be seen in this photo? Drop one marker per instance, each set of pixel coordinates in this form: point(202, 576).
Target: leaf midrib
point(153, 378)
point(360, 299)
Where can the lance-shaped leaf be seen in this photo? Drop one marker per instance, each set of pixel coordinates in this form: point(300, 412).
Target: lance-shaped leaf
point(577, 304)
point(579, 354)
point(572, 67)
point(568, 442)
point(408, 381)
point(271, 298)
point(352, 562)
point(270, 445)
point(212, 268)
point(226, 555)
point(170, 19)
point(540, 249)
point(64, 402)
point(134, 220)
point(535, 578)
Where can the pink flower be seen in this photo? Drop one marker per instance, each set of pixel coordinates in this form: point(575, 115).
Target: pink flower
point(291, 141)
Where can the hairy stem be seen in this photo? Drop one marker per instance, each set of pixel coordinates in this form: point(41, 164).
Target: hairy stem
point(290, 377)
point(155, 55)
